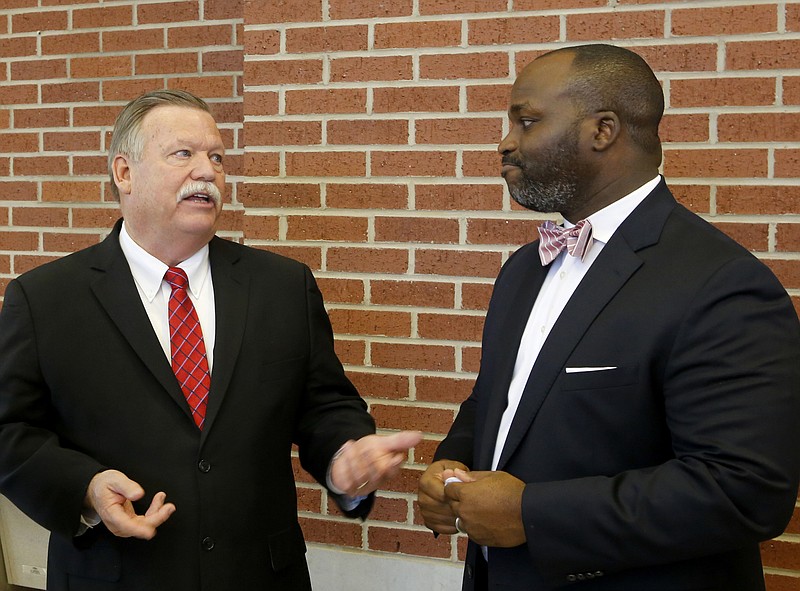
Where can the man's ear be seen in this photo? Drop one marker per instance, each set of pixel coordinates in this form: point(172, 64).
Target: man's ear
point(122, 173)
point(606, 127)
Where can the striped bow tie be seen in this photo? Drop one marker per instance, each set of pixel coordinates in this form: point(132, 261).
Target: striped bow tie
point(553, 239)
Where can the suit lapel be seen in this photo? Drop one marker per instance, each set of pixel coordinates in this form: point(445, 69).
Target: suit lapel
point(614, 266)
point(116, 291)
point(231, 287)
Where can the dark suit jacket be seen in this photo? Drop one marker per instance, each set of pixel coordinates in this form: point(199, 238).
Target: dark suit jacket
point(666, 472)
point(85, 386)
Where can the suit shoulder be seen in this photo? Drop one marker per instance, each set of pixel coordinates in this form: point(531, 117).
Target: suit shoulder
point(255, 256)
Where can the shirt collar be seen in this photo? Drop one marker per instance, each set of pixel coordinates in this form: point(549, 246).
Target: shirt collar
point(606, 221)
point(148, 271)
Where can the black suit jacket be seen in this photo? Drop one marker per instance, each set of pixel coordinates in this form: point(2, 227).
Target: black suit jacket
point(667, 471)
point(85, 386)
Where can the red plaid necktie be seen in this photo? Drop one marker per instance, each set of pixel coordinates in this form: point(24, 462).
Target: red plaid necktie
point(188, 350)
point(554, 239)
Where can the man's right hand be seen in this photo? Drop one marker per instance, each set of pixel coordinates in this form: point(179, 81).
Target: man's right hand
point(434, 504)
point(110, 495)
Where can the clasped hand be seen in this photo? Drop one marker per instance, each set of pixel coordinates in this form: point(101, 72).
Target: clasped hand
point(364, 465)
point(487, 504)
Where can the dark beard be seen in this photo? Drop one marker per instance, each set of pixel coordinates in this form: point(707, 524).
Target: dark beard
point(550, 183)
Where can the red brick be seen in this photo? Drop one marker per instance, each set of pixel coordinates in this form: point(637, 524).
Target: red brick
point(413, 163)
point(451, 327)
point(470, 359)
point(708, 92)
point(279, 195)
point(325, 164)
point(481, 163)
point(725, 163)
point(24, 263)
point(262, 42)
point(759, 127)
point(273, 72)
point(166, 63)
point(188, 36)
point(754, 237)
point(459, 197)
point(325, 531)
point(787, 163)
point(380, 385)
point(370, 322)
point(309, 499)
point(94, 217)
point(126, 90)
point(311, 256)
point(690, 127)
point(783, 554)
point(769, 200)
point(423, 455)
point(358, 69)
point(341, 291)
point(498, 231)
point(459, 131)
point(262, 164)
point(223, 9)
point(692, 57)
point(417, 34)
point(389, 510)
point(231, 61)
point(475, 296)
point(461, 6)
point(441, 389)
point(35, 21)
point(428, 294)
point(282, 11)
point(283, 133)
point(615, 25)
point(148, 14)
point(788, 240)
point(351, 352)
point(366, 196)
point(347, 9)
point(327, 39)
point(367, 260)
point(776, 582)
point(260, 103)
point(41, 166)
point(420, 543)
point(84, 191)
point(19, 142)
point(695, 197)
point(413, 356)
point(326, 101)
point(19, 94)
point(99, 67)
point(43, 69)
point(206, 86)
point(409, 99)
point(762, 55)
point(41, 117)
point(18, 190)
point(727, 20)
point(104, 17)
point(89, 165)
point(417, 418)
point(9, 4)
point(416, 229)
point(71, 92)
point(367, 132)
point(464, 65)
point(66, 243)
point(19, 240)
point(490, 97)
point(457, 263)
point(71, 141)
point(18, 47)
point(316, 227)
point(528, 29)
point(94, 115)
point(71, 43)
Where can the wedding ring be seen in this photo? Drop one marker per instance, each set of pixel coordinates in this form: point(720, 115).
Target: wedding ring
point(363, 484)
point(458, 526)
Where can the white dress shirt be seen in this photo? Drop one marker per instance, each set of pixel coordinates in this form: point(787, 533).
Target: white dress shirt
point(563, 278)
point(148, 274)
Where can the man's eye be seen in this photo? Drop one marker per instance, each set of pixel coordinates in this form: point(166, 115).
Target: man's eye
point(217, 158)
point(526, 123)
point(183, 153)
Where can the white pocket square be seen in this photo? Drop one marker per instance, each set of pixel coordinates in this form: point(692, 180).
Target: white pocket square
point(588, 369)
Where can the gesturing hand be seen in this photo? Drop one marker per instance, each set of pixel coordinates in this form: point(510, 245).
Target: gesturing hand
point(364, 465)
point(110, 495)
point(433, 503)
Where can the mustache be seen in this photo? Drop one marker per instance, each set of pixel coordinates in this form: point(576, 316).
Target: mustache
point(195, 187)
point(512, 161)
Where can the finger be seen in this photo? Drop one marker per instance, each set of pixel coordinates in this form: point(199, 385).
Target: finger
point(453, 491)
point(400, 442)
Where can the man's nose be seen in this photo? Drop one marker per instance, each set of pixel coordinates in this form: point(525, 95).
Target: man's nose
point(204, 168)
point(508, 144)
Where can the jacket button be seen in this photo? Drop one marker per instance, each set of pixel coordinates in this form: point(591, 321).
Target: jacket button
point(572, 578)
point(207, 543)
point(204, 466)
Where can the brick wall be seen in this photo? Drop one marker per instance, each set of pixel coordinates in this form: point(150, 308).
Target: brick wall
point(361, 138)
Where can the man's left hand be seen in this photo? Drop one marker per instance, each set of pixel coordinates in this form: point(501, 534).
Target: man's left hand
point(489, 507)
point(362, 466)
